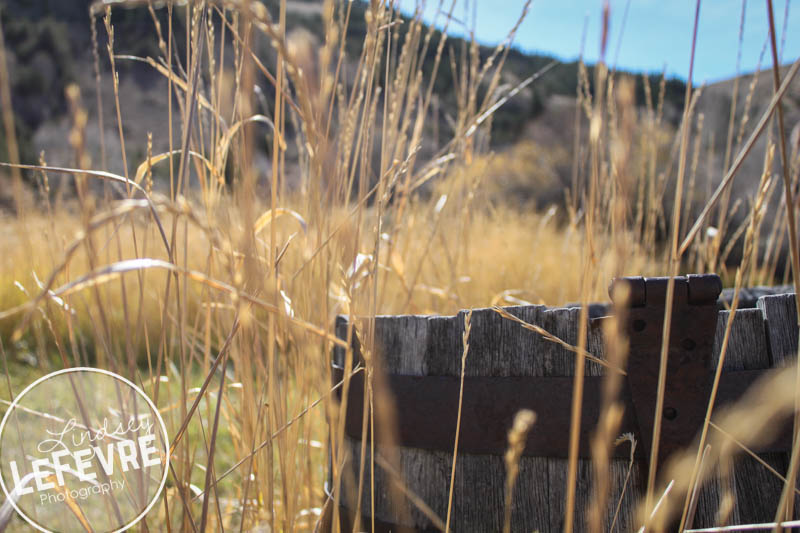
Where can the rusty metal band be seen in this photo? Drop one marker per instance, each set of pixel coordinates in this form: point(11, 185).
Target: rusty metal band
point(427, 410)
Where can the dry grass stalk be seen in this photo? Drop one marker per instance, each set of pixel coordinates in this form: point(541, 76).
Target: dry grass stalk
point(523, 421)
point(552, 338)
point(756, 215)
point(722, 213)
point(751, 422)
point(465, 340)
point(9, 128)
point(216, 298)
point(612, 409)
point(674, 263)
point(786, 504)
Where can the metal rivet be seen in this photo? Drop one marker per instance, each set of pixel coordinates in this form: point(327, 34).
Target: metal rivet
point(639, 325)
point(688, 344)
point(670, 413)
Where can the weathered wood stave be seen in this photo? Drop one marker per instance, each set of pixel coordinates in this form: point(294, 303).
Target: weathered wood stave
point(762, 337)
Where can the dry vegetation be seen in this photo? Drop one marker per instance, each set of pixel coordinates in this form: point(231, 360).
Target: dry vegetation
point(202, 262)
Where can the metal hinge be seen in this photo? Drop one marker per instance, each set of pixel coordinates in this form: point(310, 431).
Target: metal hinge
point(691, 340)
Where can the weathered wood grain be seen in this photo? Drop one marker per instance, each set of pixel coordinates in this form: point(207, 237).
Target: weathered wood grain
point(781, 319)
point(625, 518)
point(747, 346)
point(418, 345)
point(747, 350)
point(761, 337)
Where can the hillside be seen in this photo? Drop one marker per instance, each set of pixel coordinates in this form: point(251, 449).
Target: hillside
point(49, 45)
point(754, 94)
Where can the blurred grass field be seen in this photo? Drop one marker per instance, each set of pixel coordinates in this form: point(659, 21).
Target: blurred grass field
point(148, 271)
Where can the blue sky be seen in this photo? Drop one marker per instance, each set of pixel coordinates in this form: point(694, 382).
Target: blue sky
point(657, 33)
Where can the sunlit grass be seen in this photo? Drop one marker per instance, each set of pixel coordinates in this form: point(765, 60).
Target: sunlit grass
point(224, 269)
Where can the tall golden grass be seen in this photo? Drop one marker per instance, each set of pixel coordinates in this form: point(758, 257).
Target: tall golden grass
point(182, 276)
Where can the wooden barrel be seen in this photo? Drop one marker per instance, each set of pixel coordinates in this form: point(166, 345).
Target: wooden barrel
point(509, 367)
